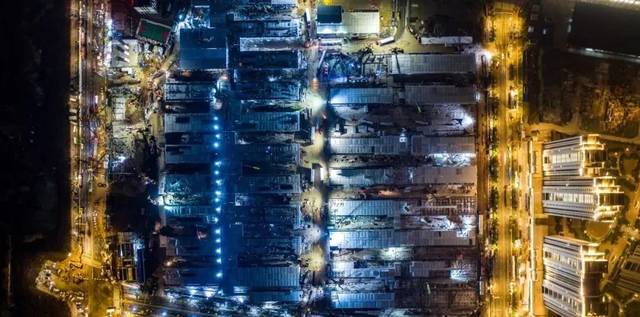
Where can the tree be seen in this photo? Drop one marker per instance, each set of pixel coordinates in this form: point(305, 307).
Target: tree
point(493, 197)
point(493, 168)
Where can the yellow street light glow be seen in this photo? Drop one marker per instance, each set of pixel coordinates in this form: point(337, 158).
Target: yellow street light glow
point(517, 244)
point(316, 102)
point(316, 259)
point(487, 54)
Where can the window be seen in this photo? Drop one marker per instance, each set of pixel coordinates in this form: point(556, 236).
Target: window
point(182, 119)
point(570, 198)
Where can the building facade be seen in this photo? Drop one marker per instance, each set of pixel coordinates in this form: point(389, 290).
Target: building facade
point(575, 183)
point(146, 7)
point(628, 276)
point(572, 271)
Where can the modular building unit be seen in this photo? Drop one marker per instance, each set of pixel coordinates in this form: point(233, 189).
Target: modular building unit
point(190, 123)
point(338, 96)
point(380, 207)
point(439, 95)
point(268, 277)
point(388, 238)
point(422, 175)
point(354, 23)
point(183, 91)
point(267, 122)
point(271, 153)
point(270, 184)
point(419, 64)
point(203, 48)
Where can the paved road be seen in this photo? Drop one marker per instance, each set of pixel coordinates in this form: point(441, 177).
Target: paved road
point(160, 309)
point(92, 198)
point(87, 147)
point(508, 53)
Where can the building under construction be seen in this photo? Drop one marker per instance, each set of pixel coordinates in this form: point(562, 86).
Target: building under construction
point(402, 213)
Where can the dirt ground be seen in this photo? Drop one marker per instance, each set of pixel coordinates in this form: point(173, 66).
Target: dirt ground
point(603, 95)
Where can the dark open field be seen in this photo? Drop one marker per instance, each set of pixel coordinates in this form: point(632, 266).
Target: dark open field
point(34, 163)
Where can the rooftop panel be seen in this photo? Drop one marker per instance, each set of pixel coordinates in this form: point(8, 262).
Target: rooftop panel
point(387, 238)
point(188, 211)
point(361, 96)
point(382, 145)
point(199, 59)
point(254, 90)
point(357, 23)
point(269, 153)
point(194, 123)
point(267, 122)
point(415, 64)
point(276, 296)
point(362, 300)
point(186, 183)
point(203, 38)
point(269, 59)
point(179, 91)
point(329, 14)
point(350, 207)
point(274, 184)
point(288, 215)
point(439, 95)
point(260, 44)
point(185, 154)
point(422, 145)
point(421, 175)
point(268, 277)
point(154, 32)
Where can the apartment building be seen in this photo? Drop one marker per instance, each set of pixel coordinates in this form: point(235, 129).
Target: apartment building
point(572, 271)
point(575, 183)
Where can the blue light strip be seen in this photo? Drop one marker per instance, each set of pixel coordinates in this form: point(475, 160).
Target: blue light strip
point(218, 194)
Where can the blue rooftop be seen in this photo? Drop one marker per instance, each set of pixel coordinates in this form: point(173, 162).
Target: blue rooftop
point(329, 14)
point(204, 48)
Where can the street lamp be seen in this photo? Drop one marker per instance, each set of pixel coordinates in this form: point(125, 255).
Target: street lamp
point(487, 55)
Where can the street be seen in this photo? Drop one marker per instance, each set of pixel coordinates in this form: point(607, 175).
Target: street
point(88, 151)
point(507, 51)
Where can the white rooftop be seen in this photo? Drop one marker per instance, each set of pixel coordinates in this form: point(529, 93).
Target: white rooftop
point(361, 96)
point(355, 22)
